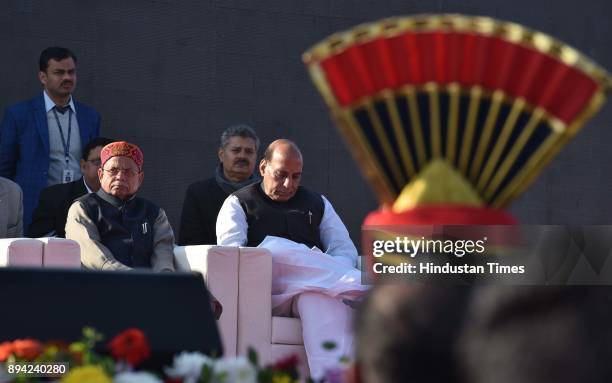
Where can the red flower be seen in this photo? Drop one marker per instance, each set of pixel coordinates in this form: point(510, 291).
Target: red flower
point(288, 363)
point(6, 349)
point(27, 349)
point(131, 346)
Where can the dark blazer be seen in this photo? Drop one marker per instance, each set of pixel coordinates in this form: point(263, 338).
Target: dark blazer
point(24, 146)
point(52, 210)
point(202, 203)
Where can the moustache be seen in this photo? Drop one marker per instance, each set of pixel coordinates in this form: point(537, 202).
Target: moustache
point(119, 183)
point(67, 83)
point(241, 162)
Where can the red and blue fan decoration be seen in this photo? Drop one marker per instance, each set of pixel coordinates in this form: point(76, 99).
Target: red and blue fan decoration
point(492, 100)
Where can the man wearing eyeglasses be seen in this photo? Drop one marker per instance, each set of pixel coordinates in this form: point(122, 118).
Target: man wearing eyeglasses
point(49, 217)
point(115, 229)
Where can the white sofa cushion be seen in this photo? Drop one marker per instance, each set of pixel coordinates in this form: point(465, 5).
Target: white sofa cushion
point(287, 331)
point(60, 252)
point(21, 252)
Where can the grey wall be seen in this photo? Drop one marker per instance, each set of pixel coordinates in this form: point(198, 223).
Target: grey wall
point(170, 75)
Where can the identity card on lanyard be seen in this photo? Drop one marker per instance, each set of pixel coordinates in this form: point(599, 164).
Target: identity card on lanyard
point(68, 174)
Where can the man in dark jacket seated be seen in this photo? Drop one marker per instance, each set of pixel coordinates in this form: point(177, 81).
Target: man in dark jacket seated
point(237, 156)
point(115, 229)
point(50, 215)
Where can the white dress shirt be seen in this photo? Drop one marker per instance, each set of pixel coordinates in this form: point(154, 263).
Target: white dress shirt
point(232, 230)
point(57, 157)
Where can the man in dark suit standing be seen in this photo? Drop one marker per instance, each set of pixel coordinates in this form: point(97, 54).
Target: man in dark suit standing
point(49, 217)
point(237, 156)
point(41, 139)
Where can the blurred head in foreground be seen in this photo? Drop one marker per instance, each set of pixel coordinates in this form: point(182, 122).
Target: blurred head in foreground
point(501, 334)
point(406, 332)
point(539, 334)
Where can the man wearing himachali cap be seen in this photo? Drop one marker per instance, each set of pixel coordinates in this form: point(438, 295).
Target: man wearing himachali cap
point(115, 229)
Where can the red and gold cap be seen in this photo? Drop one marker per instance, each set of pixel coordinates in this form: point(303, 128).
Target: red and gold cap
point(122, 149)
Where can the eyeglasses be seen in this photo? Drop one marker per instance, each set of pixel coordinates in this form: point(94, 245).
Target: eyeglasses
point(96, 162)
point(115, 172)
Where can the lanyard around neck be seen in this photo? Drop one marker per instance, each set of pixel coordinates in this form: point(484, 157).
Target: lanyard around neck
point(65, 143)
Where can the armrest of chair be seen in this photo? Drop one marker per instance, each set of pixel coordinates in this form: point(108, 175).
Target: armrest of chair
point(21, 252)
point(219, 267)
point(255, 301)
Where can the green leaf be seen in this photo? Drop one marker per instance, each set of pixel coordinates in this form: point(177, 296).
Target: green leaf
point(207, 374)
point(264, 376)
point(252, 356)
point(77, 347)
point(89, 332)
point(329, 345)
point(222, 377)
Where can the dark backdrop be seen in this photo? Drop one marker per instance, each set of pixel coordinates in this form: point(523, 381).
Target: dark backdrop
point(171, 75)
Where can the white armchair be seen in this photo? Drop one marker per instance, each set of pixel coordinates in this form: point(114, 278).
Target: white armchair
point(241, 279)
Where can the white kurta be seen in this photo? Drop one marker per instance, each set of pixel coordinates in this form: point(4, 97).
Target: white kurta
point(297, 269)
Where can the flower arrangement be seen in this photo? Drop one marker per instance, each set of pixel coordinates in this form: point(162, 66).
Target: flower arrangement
point(130, 348)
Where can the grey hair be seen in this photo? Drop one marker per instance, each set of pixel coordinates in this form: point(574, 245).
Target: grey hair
point(241, 130)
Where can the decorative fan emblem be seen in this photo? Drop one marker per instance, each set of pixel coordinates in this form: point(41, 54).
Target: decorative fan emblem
point(492, 100)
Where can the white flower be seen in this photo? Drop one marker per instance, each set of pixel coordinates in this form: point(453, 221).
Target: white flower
point(188, 366)
point(235, 370)
point(136, 377)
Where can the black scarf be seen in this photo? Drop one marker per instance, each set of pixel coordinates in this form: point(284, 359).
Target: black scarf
point(230, 187)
